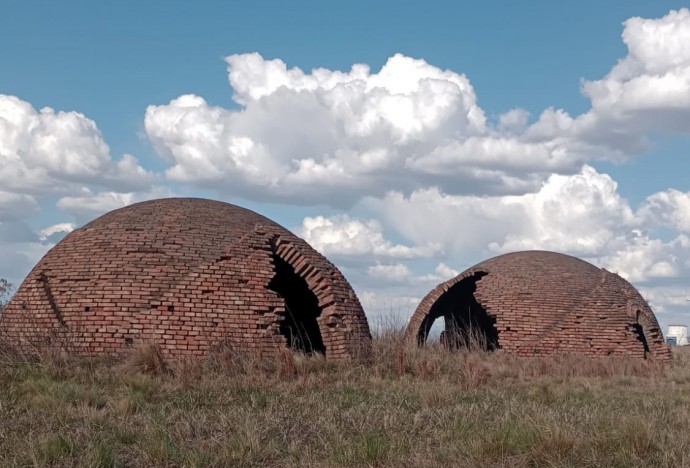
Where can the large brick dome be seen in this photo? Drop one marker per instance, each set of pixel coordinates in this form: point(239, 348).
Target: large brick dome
point(187, 274)
point(541, 303)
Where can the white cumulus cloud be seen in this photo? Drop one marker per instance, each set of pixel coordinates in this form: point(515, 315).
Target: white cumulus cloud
point(330, 136)
point(341, 235)
point(581, 214)
point(47, 152)
point(670, 208)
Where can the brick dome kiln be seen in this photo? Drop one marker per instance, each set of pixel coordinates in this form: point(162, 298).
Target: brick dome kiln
point(541, 303)
point(187, 274)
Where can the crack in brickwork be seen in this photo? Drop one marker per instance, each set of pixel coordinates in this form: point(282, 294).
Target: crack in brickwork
point(43, 279)
point(188, 274)
point(546, 303)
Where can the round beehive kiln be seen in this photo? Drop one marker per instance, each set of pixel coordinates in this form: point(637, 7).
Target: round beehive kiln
point(541, 303)
point(187, 274)
point(679, 334)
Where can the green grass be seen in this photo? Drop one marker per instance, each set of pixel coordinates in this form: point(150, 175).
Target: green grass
point(421, 408)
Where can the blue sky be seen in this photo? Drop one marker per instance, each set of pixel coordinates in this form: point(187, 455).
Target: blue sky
point(541, 124)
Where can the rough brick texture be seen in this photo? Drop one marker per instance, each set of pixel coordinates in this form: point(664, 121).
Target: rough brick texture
point(187, 274)
point(545, 303)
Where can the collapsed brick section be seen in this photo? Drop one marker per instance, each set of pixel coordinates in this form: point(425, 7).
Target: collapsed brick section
point(542, 303)
point(187, 274)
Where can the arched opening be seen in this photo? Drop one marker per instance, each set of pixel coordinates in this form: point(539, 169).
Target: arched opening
point(299, 325)
point(467, 324)
point(638, 328)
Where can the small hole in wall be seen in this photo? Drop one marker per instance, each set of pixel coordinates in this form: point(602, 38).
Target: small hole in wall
point(87, 309)
point(263, 326)
point(206, 291)
point(214, 324)
point(24, 306)
point(129, 342)
point(171, 308)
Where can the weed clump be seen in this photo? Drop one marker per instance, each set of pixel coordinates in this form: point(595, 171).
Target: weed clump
point(147, 359)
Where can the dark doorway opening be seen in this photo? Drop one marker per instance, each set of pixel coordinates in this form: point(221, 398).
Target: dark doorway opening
point(638, 328)
point(467, 324)
point(299, 325)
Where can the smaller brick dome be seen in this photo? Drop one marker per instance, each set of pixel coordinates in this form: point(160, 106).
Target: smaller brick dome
point(541, 303)
point(187, 274)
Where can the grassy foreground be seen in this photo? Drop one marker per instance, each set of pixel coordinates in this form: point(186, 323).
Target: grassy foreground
point(421, 408)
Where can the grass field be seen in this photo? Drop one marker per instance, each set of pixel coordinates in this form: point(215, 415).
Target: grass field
point(427, 407)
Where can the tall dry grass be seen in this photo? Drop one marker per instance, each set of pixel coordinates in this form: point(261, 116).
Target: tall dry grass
point(401, 407)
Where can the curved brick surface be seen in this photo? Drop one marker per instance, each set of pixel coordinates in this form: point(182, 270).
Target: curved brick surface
point(545, 302)
point(185, 273)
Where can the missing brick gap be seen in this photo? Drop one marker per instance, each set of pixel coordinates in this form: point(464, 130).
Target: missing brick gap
point(298, 325)
point(465, 322)
point(639, 330)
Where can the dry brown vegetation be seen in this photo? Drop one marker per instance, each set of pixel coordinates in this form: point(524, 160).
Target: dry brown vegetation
point(404, 407)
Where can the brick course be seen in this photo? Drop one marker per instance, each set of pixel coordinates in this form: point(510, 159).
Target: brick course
point(545, 303)
point(184, 273)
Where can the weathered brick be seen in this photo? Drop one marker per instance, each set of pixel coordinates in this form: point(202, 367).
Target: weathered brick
point(173, 270)
point(545, 303)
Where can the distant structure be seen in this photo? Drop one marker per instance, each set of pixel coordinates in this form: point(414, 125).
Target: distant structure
point(677, 335)
point(541, 303)
point(187, 274)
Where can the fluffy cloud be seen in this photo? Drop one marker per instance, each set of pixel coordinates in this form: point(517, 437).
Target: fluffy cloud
point(399, 273)
point(88, 205)
point(393, 273)
point(343, 236)
point(47, 151)
point(582, 214)
point(645, 258)
point(654, 76)
point(53, 234)
point(330, 136)
point(457, 224)
point(666, 298)
point(442, 273)
point(670, 208)
point(645, 92)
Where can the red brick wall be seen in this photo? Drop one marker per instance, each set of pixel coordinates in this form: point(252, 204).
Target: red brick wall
point(546, 303)
point(187, 274)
